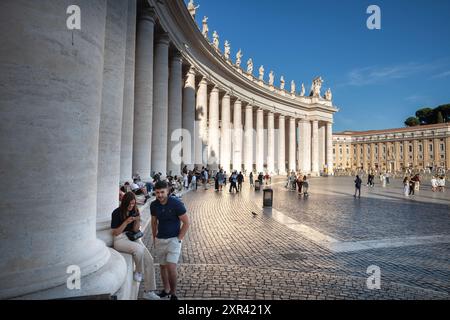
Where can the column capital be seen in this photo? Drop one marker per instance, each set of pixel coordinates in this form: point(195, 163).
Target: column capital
point(163, 38)
point(147, 13)
point(191, 71)
point(249, 106)
point(177, 57)
point(215, 89)
point(282, 116)
point(204, 80)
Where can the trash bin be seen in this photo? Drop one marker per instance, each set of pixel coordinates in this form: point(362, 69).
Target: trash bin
point(267, 197)
point(257, 185)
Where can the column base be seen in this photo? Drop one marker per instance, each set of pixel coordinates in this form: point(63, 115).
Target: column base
point(107, 280)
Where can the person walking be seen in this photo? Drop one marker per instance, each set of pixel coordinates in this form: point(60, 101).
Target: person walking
point(233, 182)
point(299, 183)
point(358, 183)
point(305, 186)
point(406, 186)
point(250, 177)
point(170, 224)
point(434, 183)
point(240, 179)
point(441, 183)
point(220, 179)
point(412, 186)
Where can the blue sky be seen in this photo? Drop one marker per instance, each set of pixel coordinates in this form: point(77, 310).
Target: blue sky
point(378, 77)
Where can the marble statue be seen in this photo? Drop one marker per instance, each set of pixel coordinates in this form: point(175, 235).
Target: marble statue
point(315, 88)
point(328, 95)
point(293, 87)
point(250, 66)
point(238, 58)
point(282, 83)
point(227, 50)
point(302, 92)
point(271, 78)
point(205, 28)
point(216, 40)
point(192, 8)
point(261, 73)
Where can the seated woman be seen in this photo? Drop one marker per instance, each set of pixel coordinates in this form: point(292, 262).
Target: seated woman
point(125, 219)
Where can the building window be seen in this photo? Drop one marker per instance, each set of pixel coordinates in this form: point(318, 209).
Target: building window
point(420, 148)
point(410, 148)
point(442, 147)
point(431, 147)
point(442, 156)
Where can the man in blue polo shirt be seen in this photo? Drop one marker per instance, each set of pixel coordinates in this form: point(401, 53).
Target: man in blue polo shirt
point(169, 226)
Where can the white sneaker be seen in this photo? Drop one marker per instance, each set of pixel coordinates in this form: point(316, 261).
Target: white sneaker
point(150, 296)
point(138, 277)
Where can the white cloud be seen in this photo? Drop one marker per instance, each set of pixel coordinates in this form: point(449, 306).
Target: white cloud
point(375, 74)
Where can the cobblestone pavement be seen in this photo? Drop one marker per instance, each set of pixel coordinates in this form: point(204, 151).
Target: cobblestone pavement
point(231, 254)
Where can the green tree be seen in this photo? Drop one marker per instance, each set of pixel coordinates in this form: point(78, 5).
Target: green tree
point(425, 115)
point(445, 111)
point(412, 122)
point(439, 117)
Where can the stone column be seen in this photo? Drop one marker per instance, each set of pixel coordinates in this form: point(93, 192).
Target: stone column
point(237, 135)
point(447, 153)
point(305, 146)
point(270, 143)
point(292, 145)
point(260, 140)
point(372, 156)
point(108, 174)
point(52, 104)
point(358, 156)
point(301, 144)
point(126, 146)
point(225, 134)
point(330, 148)
point(365, 162)
point(248, 139)
point(406, 159)
point(213, 130)
point(201, 122)
point(322, 144)
point(175, 115)
point(281, 145)
point(426, 151)
point(189, 119)
point(315, 148)
point(436, 151)
point(160, 105)
point(397, 155)
point(143, 103)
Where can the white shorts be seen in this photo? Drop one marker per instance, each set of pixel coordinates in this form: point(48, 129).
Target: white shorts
point(167, 250)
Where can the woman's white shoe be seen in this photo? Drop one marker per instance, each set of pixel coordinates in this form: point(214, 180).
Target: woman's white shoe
point(150, 296)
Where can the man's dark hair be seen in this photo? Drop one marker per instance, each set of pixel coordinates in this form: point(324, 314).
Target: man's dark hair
point(161, 185)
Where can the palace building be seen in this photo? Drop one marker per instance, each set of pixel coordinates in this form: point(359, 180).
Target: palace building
point(418, 148)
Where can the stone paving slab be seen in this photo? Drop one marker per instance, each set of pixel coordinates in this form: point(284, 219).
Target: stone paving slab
point(231, 254)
